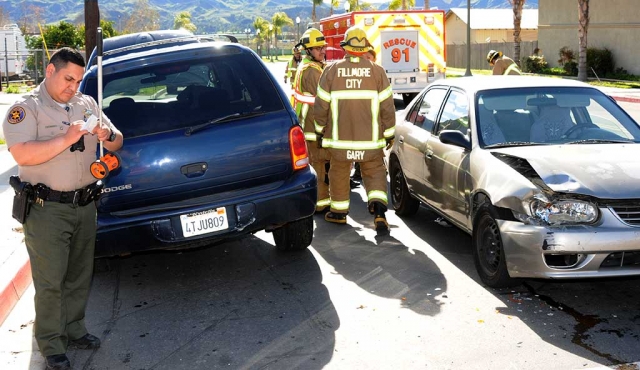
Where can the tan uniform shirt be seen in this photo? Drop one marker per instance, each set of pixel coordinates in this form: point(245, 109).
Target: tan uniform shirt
point(503, 64)
point(354, 108)
point(37, 117)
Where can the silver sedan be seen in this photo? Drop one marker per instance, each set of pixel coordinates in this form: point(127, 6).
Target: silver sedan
point(543, 173)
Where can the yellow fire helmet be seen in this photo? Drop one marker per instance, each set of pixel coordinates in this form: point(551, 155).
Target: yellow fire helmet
point(355, 41)
point(295, 50)
point(492, 55)
point(312, 38)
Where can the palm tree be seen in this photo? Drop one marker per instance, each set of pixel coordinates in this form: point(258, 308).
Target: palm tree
point(334, 4)
point(313, 12)
point(279, 20)
point(583, 25)
point(517, 19)
point(401, 4)
point(426, 5)
point(261, 26)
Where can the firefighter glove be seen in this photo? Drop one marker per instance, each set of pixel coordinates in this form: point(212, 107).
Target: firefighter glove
point(389, 142)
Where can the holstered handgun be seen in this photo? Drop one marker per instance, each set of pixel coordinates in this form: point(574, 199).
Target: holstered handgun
point(22, 199)
point(78, 145)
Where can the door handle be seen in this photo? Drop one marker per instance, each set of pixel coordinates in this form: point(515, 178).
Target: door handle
point(428, 154)
point(401, 139)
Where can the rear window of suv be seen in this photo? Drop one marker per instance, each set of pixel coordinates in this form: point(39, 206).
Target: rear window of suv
point(157, 98)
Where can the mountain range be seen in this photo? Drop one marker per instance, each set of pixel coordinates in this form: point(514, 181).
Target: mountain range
point(209, 15)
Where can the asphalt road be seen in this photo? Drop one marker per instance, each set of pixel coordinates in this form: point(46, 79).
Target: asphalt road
point(411, 300)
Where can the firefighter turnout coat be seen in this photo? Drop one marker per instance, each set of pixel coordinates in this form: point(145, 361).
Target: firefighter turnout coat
point(505, 66)
point(304, 95)
point(355, 115)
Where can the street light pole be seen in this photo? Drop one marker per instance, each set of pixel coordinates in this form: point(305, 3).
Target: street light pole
point(347, 6)
point(298, 32)
point(258, 43)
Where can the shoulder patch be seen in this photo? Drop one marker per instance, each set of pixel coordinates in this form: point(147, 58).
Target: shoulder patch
point(16, 115)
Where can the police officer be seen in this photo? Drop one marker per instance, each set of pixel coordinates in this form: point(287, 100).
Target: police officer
point(59, 231)
point(502, 65)
point(355, 116)
point(304, 93)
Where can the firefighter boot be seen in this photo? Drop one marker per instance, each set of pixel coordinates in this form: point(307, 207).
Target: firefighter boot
point(378, 209)
point(336, 217)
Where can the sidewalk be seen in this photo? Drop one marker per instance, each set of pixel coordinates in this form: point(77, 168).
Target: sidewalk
point(15, 269)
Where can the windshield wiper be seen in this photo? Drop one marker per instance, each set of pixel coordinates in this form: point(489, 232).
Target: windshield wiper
point(201, 126)
point(511, 143)
point(601, 141)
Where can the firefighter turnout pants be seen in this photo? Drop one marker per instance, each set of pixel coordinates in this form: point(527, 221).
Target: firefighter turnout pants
point(319, 159)
point(374, 178)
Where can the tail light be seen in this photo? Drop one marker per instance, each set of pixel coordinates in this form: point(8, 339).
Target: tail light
point(298, 148)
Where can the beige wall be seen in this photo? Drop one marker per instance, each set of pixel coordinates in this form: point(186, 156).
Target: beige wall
point(614, 24)
point(457, 33)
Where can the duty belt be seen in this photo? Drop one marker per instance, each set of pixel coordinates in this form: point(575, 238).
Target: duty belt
point(76, 197)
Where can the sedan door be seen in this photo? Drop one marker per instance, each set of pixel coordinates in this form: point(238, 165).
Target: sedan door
point(448, 165)
point(413, 135)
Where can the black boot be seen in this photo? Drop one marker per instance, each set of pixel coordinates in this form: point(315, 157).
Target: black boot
point(336, 217)
point(379, 219)
point(58, 362)
point(356, 172)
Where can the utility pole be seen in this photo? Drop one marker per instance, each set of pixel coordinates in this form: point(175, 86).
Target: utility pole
point(92, 22)
point(6, 61)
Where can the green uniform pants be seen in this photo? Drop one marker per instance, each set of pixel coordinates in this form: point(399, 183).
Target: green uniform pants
point(374, 178)
point(60, 239)
point(319, 158)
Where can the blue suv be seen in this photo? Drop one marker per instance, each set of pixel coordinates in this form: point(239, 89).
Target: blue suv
point(212, 147)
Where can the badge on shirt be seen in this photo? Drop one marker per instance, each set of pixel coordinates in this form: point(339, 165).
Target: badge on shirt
point(16, 115)
point(87, 114)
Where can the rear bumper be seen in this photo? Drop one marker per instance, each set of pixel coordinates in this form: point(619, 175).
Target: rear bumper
point(281, 203)
point(526, 247)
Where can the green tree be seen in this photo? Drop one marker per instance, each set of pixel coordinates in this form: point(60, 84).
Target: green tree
point(183, 20)
point(261, 26)
point(401, 4)
point(313, 11)
point(517, 19)
point(355, 5)
point(61, 35)
point(143, 18)
point(334, 4)
point(279, 20)
point(583, 27)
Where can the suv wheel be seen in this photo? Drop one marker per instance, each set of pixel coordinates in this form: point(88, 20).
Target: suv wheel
point(296, 235)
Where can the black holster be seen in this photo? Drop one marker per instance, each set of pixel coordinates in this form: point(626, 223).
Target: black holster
point(22, 199)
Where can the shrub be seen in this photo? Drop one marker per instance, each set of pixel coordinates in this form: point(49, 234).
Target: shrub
point(571, 68)
point(12, 89)
point(566, 55)
point(535, 64)
point(601, 61)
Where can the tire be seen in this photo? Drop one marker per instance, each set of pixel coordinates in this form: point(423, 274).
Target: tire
point(488, 252)
point(407, 98)
point(296, 235)
point(403, 203)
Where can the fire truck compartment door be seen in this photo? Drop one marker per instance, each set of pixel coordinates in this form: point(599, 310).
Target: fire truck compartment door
point(400, 51)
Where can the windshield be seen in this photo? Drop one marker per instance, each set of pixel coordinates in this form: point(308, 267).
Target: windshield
point(174, 96)
point(541, 115)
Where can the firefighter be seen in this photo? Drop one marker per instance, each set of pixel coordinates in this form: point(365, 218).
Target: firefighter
point(292, 66)
point(304, 93)
point(502, 65)
point(354, 119)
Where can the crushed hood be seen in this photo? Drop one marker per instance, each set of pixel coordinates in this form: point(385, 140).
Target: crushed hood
point(606, 171)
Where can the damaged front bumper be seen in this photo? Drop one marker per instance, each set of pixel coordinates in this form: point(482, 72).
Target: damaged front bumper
point(563, 252)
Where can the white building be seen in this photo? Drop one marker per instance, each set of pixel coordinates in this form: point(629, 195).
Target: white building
point(13, 50)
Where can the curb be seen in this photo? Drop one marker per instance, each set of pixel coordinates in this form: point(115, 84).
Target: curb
point(626, 99)
point(18, 279)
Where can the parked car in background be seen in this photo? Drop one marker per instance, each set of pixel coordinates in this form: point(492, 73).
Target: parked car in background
point(543, 174)
point(212, 148)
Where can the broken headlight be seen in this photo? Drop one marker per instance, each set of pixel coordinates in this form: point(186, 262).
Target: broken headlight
point(558, 212)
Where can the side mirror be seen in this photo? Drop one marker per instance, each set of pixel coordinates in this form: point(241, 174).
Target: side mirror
point(456, 138)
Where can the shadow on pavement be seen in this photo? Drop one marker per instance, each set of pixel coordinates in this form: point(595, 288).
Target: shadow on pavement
point(381, 266)
point(598, 319)
point(237, 305)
